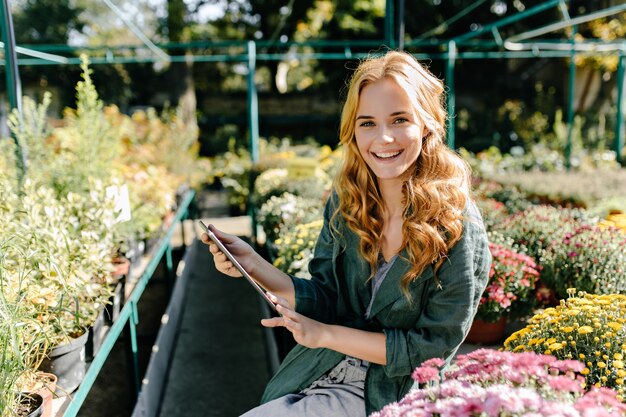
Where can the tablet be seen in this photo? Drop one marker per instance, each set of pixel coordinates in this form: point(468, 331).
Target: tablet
point(237, 265)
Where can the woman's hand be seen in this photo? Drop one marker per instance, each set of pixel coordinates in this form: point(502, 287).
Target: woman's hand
point(305, 331)
point(237, 247)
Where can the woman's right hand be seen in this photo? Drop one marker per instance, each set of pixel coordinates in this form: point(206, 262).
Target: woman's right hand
point(236, 246)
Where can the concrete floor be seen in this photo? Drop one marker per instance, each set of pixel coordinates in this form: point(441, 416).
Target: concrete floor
point(219, 367)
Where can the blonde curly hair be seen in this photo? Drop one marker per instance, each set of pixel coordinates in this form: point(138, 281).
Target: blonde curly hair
point(436, 186)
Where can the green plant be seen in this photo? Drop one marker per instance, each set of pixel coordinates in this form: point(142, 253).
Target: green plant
point(84, 147)
point(22, 338)
point(11, 365)
point(589, 258)
point(492, 210)
point(68, 242)
point(233, 169)
point(302, 178)
point(586, 327)
point(286, 212)
point(538, 226)
point(512, 279)
point(295, 248)
point(588, 189)
point(513, 199)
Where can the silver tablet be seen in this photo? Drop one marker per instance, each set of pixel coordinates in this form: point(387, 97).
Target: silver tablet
point(237, 265)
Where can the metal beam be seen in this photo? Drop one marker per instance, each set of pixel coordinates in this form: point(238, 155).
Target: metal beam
point(507, 20)
point(142, 37)
point(566, 23)
point(390, 24)
point(14, 86)
point(450, 65)
point(619, 122)
point(570, 102)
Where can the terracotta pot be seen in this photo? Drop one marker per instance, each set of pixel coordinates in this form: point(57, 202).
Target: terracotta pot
point(485, 333)
point(49, 382)
point(122, 266)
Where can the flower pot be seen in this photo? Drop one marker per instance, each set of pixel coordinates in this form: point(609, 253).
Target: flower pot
point(29, 405)
point(68, 363)
point(97, 332)
point(49, 382)
point(485, 333)
point(121, 265)
point(116, 302)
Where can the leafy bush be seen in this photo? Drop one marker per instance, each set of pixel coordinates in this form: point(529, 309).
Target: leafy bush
point(286, 212)
point(568, 188)
point(492, 210)
point(513, 199)
point(538, 226)
point(306, 181)
point(588, 258)
point(295, 248)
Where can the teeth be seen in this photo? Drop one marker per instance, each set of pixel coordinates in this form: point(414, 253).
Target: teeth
point(387, 154)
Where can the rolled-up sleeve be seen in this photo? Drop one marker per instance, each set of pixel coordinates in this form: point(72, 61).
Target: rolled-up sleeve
point(449, 309)
point(317, 297)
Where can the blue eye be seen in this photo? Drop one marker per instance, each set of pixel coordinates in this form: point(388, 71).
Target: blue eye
point(401, 120)
point(367, 124)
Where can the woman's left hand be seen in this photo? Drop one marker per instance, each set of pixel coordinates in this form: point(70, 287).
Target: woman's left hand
point(306, 331)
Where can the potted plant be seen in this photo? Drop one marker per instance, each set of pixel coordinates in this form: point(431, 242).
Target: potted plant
point(512, 279)
point(22, 339)
point(589, 258)
point(67, 242)
point(538, 226)
point(295, 248)
point(586, 327)
point(287, 211)
point(11, 365)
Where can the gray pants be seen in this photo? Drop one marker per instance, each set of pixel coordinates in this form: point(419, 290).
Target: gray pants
point(336, 394)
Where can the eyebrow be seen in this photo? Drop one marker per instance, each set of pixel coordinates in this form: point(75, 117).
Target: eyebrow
point(395, 113)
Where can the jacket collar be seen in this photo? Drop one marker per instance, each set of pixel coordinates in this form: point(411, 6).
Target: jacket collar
point(390, 290)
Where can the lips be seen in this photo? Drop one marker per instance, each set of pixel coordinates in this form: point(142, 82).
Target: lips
point(387, 155)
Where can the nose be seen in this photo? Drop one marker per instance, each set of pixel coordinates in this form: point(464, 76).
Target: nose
point(387, 135)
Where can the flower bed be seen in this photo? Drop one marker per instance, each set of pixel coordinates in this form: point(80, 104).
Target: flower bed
point(587, 327)
point(512, 279)
point(491, 383)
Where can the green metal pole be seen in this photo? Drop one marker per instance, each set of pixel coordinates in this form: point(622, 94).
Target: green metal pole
point(619, 122)
point(253, 104)
point(14, 86)
point(570, 101)
point(401, 25)
point(450, 64)
point(253, 124)
point(390, 39)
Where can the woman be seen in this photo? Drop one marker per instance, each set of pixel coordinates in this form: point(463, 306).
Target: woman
point(401, 261)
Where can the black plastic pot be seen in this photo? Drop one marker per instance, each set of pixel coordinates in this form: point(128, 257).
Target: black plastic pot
point(68, 363)
point(31, 405)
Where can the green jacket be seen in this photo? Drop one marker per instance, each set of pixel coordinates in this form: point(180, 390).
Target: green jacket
point(433, 325)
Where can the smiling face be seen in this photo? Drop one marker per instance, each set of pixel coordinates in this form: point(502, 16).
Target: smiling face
point(388, 131)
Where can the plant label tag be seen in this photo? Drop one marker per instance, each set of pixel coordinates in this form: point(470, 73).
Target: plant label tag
point(119, 194)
